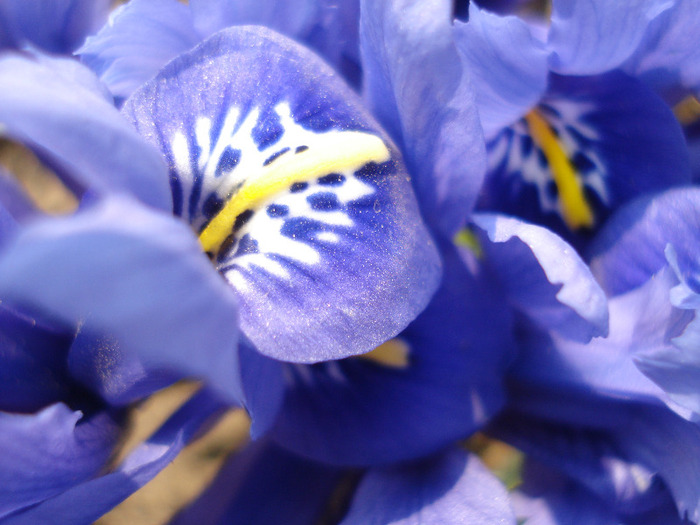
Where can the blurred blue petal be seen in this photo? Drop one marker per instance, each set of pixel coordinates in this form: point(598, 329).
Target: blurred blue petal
point(263, 387)
point(264, 484)
point(88, 499)
point(645, 435)
point(544, 277)
point(132, 275)
point(327, 266)
point(431, 115)
point(329, 27)
point(453, 488)
point(673, 362)
point(140, 38)
point(631, 246)
point(359, 411)
point(46, 453)
point(668, 57)
point(144, 35)
point(606, 365)
point(509, 66)
point(618, 28)
point(57, 26)
point(548, 498)
point(76, 131)
point(33, 372)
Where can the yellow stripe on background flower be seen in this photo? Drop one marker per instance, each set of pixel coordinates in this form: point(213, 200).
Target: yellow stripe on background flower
point(394, 354)
point(575, 210)
point(332, 153)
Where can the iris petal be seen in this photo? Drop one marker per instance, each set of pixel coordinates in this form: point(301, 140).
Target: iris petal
point(452, 488)
point(619, 29)
point(132, 276)
point(89, 499)
point(431, 115)
point(75, 130)
point(544, 277)
point(48, 452)
point(58, 26)
point(326, 252)
point(509, 65)
point(447, 385)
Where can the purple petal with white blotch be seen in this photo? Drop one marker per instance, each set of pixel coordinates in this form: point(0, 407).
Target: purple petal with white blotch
point(89, 499)
point(620, 139)
point(76, 131)
point(618, 30)
point(46, 453)
point(264, 484)
point(544, 277)
point(449, 385)
point(431, 115)
point(136, 277)
point(141, 37)
point(448, 489)
point(509, 66)
point(57, 26)
point(336, 262)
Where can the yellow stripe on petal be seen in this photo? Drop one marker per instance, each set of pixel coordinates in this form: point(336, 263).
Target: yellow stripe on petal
point(575, 210)
point(334, 152)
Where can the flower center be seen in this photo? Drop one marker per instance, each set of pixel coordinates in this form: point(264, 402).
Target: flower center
point(336, 153)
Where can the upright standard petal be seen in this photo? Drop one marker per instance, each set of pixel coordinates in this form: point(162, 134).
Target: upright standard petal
point(449, 489)
point(544, 277)
point(136, 277)
point(418, 85)
point(57, 26)
point(668, 58)
point(508, 63)
point(76, 131)
point(618, 28)
point(140, 38)
point(300, 200)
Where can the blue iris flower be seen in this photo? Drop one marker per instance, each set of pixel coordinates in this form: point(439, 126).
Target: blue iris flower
point(571, 81)
point(374, 427)
point(324, 250)
point(571, 132)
